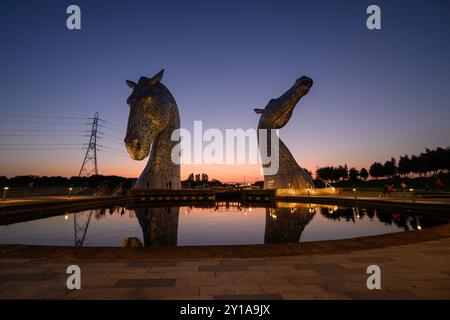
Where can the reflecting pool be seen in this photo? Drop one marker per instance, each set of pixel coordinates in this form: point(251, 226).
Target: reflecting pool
point(217, 224)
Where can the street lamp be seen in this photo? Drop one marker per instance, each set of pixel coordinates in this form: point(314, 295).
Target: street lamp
point(354, 192)
point(5, 190)
point(70, 192)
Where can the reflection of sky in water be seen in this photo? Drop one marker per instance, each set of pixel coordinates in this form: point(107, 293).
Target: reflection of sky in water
point(210, 226)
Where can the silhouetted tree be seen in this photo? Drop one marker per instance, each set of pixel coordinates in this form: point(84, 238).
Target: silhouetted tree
point(364, 174)
point(343, 172)
point(390, 168)
point(376, 170)
point(353, 174)
point(404, 166)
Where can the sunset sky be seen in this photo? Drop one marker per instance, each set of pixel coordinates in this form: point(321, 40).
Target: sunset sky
point(376, 93)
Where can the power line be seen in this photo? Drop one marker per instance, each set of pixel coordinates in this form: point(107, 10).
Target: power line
point(39, 122)
point(40, 116)
point(110, 140)
point(112, 148)
point(111, 123)
point(42, 130)
point(111, 136)
point(41, 144)
point(40, 135)
point(114, 153)
point(41, 149)
point(115, 130)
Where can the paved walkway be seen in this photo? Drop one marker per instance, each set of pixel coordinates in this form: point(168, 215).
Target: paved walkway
point(413, 271)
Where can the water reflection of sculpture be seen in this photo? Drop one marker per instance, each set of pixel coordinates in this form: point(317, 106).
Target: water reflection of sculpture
point(285, 225)
point(159, 225)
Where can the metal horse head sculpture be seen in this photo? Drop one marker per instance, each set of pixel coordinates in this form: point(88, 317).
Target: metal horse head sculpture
point(276, 115)
point(152, 119)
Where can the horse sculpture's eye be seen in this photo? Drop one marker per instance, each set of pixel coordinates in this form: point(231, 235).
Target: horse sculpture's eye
point(147, 100)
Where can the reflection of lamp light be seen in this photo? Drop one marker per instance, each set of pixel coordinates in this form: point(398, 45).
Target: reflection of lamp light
point(5, 190)
point(419, 227)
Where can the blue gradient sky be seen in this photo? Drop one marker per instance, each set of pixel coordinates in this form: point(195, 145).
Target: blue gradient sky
point(376, 94)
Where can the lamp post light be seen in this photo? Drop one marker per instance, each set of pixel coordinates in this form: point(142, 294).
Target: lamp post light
point(354, 192)
point(5, 190)
point(70, 192)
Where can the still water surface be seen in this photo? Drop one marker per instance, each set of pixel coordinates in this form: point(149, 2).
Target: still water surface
point(222, 224)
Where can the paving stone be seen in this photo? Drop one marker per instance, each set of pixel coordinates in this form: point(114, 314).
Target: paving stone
point(299, 288)
point(315, 296)
point(193, 275)
point(102, 294)
point(328, 268)
point(182, 297)
point(243, 262)
point(249, 297)
point(273, 268)
point(168, 263)
point(192, 282)
point(27, 276)
point(371, 260)
point(175, 269)
point(230, 290)
point(136, 283)
point(222, 268)
point(251, 280)
point(164, 292)
point(383, 295)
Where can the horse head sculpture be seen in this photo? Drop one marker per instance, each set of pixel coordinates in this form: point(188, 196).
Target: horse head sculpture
point(276, 115)
point(153, 117)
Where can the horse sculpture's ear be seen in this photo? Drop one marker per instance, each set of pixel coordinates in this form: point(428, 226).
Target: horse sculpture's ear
point(131, 84)
point(157, 77)
point(258, 111)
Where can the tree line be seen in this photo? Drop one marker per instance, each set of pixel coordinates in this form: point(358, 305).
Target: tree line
point(57, 181)
point(429, 163)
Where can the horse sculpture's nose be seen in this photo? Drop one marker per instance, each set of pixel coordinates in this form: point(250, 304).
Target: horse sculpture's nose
point(307, 81)
point(133, 145)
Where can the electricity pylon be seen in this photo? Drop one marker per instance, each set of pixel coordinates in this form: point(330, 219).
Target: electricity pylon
point(90, 159)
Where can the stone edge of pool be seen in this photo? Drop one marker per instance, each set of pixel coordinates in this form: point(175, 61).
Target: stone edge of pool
point(224, 252)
